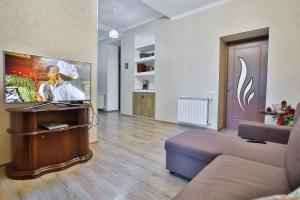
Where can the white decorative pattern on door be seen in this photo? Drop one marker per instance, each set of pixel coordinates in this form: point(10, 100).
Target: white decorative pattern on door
point(244, 72)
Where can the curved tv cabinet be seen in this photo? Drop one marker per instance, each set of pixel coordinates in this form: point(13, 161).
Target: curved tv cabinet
point(37, 151)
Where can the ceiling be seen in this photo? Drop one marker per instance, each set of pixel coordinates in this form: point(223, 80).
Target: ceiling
point(178, 8)
point(127, 14)
point(123, 15)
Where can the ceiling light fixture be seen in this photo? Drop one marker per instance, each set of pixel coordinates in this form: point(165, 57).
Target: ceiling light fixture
point(113, 34)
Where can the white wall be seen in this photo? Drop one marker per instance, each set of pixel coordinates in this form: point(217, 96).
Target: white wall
point(112, 79)
point(102, 66)
point(127, 75)
point(188, 53)
point(64, 29)
point(108, 75)
point(102, 74)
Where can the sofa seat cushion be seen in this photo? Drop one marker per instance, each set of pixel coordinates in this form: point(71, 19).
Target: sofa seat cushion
point(199, 144)
point(206, 145)
point(232, 178)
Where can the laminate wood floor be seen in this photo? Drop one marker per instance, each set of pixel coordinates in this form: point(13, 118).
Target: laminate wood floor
point(128, 163)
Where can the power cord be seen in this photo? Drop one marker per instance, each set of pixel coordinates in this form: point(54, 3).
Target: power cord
point(93, 116)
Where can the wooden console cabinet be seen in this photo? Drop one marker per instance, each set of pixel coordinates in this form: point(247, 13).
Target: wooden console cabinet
point(144, 104)
point(37, 151)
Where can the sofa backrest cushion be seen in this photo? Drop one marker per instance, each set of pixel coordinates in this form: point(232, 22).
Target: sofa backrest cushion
point(297, 113)
point(292, 157)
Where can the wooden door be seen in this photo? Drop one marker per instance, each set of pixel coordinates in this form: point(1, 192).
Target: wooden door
point(247, 79)
point(137, 103)
point(148, 109)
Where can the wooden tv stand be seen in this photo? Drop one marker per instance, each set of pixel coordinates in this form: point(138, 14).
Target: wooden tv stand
point(36, 150)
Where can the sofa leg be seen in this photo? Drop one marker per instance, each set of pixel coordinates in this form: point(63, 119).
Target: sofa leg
point(172, 172)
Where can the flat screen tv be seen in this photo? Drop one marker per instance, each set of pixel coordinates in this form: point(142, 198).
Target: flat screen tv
point(32, 79)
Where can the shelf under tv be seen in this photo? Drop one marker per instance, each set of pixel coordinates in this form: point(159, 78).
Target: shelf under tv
point(44, 130)
point(37, 151)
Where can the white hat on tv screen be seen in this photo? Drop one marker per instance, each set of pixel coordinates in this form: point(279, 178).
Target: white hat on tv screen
point(67, 69)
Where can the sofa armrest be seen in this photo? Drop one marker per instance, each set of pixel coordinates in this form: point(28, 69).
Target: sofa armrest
point(266, 132)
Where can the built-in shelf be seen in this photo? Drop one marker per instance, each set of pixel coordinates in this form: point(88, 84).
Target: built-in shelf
point(146, 47)
point(144, 74)
point(152, 91)
point(145, 60)
point(151, 73)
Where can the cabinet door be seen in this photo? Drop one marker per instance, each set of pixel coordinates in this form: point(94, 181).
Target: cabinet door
point(137, 104)
point(58, 147)
point(148, 109)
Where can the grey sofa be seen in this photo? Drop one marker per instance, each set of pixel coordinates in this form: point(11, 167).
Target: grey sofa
point(224, 167)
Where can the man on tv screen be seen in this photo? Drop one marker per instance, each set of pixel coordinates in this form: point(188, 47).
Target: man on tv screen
point(46, 89)
point(65, 91)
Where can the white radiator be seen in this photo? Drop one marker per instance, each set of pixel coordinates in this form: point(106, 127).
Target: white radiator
point(101, 101)
point(193, 110)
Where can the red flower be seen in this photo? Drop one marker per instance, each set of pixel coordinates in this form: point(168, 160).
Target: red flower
point(292, 111)
point(281, 120)
point(283, 113)
point(269, 109)
point(283, 103)
point(279, 123)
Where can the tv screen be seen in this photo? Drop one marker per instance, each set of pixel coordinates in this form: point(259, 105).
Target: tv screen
point(30, 79)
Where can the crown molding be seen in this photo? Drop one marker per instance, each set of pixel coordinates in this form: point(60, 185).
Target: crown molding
point(141, 23)
point(104, 27)
point(201, 9)
point(102, 38)
point(108, 28)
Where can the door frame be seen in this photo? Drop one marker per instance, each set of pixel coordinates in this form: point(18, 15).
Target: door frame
point(119, 77)
point(223, 75)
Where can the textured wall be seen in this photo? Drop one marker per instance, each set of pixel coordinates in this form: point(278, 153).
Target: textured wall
point(188, 53)
point(56, 28)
